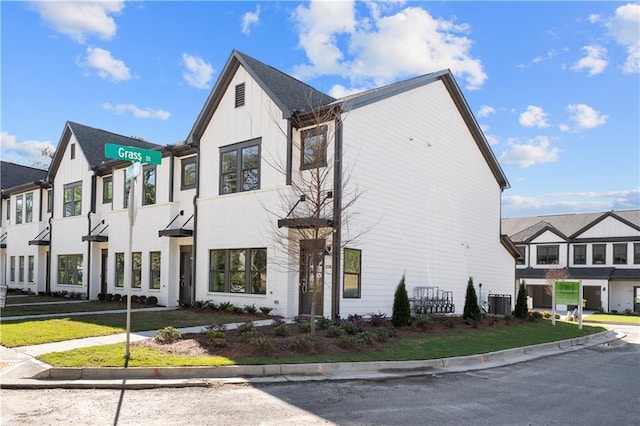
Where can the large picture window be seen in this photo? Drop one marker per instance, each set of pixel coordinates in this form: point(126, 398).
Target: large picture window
point(238, 271)
point(240, 167)
point(352, 273)
point(599, 255)
point(314, 148)
point(154, 270)
point(149, 185)
point(72, 197)
point(580, 254)
point(188, 175)
point(547, 255)
point(119, 269)
point(70, 269)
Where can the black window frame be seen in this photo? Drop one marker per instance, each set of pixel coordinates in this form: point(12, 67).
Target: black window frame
point(28, 207)
point(308, 135)
point(544, 254)
point(31, 268)
point(19, 209)
point(580, 258)
point(349, 271)
point(73, 203)
point(21, 266)
point(49, 201)
point(618, 258)
point(240, 94)
point(136, 269)
point(149, 190)
point(119, 270)
point(155, 273)
point(191, 161)
point(107, 189)
point(604, 254)
point(8, 214)
point(636, 253)
point(12, 268)
point(521, 260)
point(70, 274)
point(72, 150)
point(240, 167)
point(254, 271)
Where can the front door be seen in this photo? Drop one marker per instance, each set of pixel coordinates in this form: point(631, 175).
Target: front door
point(186, 283)
point(103, 271)
point(311, 276)
point(636, 299)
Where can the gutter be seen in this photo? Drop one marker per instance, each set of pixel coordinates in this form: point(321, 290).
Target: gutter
point(337, 220)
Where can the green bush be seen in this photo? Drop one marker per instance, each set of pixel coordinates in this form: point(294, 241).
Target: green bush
point(117, 297)
point(101, 296)
point(109, 297)
point(218, 338)
point(261, 343)
point(447, 323)
point(366, 338)
point(281, 330)
point(401, 314)
point(152, 300)
point(471, 311)
point(246, 327)
point(323, 323)
point(347, 342)
point(303, 343)
point(226, 306)
point(349, 327)
point(383, 333)
point(334, 331)
point(521, 311)
point(423, 322)
point(168, 335)
point(135, 298)
point(266, 310)
point(250, 309)
point(142, 299)
point(304, 327)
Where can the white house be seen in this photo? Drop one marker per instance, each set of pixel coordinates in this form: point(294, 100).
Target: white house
point(600, 249)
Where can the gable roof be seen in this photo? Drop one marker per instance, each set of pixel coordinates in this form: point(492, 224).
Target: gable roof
point(291, 95)
point(16, 175)
point(534, 231)
point(92, 141)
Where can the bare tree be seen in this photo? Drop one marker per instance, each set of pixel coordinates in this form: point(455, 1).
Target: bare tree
point(552, 275)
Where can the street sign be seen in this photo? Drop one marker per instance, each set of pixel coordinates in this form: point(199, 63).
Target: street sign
point(130, 153)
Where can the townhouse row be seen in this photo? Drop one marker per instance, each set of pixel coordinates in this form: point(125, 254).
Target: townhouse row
point(280, 196)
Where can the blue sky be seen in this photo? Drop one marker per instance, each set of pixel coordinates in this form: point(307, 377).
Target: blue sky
point(555, 86)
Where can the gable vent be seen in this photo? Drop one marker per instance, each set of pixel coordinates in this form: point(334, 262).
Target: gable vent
point(240, 95)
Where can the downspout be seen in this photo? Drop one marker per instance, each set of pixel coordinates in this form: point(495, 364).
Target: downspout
point(194, 244)
point(171, 179)
point(92, 209)
point(337, 220)
point(289, 166)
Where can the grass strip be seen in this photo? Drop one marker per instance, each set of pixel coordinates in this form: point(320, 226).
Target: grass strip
point(613, 319)
point(63, 308)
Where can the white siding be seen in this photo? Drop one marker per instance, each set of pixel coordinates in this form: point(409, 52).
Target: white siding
point(609, 228)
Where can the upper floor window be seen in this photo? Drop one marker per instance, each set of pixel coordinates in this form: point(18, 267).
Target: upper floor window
point(8, 217)
point(352, 273)
point(619, 254)
point(636, 253)
point(239, 95)
point(314, 148)
point(49, 201)
point(28, 206)
point(188, 175)
point(547, 255)
point(127, 189)
point(107, 189)
point(72, 197)
point(19, 209)
point(240, 167)
point(521, 259)
point(599, 256)
point(149, 185)
point(580, 254)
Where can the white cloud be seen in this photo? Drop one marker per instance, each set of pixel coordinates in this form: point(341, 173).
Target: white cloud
point(250, 19)
point(80, 19)
point(595, 60)
point(532, 152)
point(533, 117)
point(382, 47)
point(624, 26)
point(566, 202)
point(585, 116)
point(136, 111)
point(106, 65)
point(197, 72)
point(486, 111)
point(593, 18)
point(27, 152)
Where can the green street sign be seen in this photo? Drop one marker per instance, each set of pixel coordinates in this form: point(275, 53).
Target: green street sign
point(129, 153)
point(567, 292)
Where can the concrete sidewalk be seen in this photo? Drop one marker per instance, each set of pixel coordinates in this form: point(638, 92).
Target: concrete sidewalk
point(20, 369)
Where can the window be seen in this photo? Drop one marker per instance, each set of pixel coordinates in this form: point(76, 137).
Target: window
point(136, 269)
point(8, 209)
point(188, 177)
point(12, 273)
point(619, 254)
point(30, 274)
point(580, 255)
point(599, 256)
point(521, 259)
point(72, 199)
point(238, 271)
point(70, 269)
point(21, 269)
point(636, 253)
point(49, 201)
point(547, 255)
point(119, 269)
point(240, 167)
point(19, 209)
point(352, 273)
point(154, 270)
point(149, 185)
point(73, 150)
point(239, 95)
point(127, 188)
point(28, 206)
point(107, 189)
point(314, 148)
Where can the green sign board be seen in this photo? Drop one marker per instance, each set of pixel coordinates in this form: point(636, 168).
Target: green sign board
point(567, 292)
point(130, 153)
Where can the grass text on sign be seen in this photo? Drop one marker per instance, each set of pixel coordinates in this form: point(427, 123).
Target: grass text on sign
point(130, 153)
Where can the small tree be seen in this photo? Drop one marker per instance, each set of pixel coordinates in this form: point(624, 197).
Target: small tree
point(401, 314)
point(471, 310)
point(521, 310)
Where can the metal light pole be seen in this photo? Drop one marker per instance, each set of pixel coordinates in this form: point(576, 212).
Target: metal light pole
point(135, 170)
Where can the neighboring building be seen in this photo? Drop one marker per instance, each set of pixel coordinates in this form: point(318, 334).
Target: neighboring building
point(403, 181)
point(24, 227)
point(600, 249)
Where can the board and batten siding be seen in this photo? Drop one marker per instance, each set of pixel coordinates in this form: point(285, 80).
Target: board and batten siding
point(428, 198)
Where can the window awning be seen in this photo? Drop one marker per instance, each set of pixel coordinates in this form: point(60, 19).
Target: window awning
point(305, 223)
point(177, 232)
point(42, 239)
point(97, 237)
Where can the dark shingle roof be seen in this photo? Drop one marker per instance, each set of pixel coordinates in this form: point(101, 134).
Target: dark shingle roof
point(13, 175)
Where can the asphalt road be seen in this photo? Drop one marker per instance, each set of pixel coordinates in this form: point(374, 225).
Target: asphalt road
point(595, 386)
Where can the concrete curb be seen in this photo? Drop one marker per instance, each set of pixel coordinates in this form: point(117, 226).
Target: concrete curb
point(150, 377)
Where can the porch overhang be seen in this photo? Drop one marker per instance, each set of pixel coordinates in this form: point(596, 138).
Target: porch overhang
point(39, 243)
point(175, 233)
point(305, 223)
point(96, 238)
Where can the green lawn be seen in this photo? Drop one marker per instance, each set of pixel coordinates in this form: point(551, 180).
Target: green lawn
point(457, 343)
point(613, 319)
point(54, 308)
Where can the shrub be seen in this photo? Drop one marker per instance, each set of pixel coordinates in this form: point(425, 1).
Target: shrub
point(117, 297)
point(423, 322)
point(546, 314)
point(366, 338)
point(109, 297)
point(378, 320)
point(101, 296)
point(323, 323)
point(303, 343)
point(401, 314)
point(304, 327)
point(236, 310)
point(471, 311)
point(383, 333)
point(347, 342)
point(124, 298)
point(142, 299)
point(168, 335)
point(281, 330)
point(358, 320)
point(447, 323)
point(198, 304)
point(225, 306)
point(521, 310)
point(218, 338)
point(334, 331)
point(135, 298)
point(349, 327)
point(246, 327)
point(250, 309)
point(535, 315)
point(152, 300)
point(266, 310)
point(261, 343)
